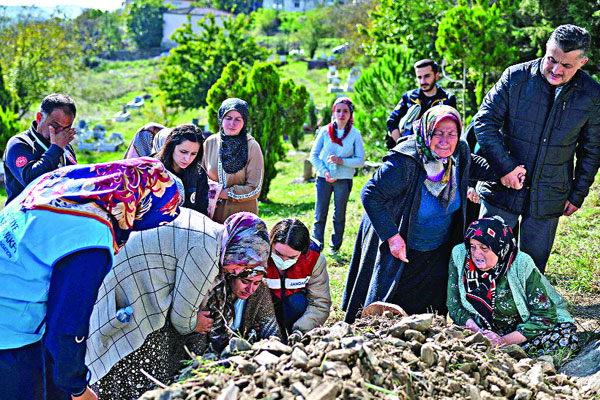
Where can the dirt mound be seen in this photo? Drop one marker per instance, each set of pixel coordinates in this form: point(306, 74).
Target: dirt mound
point(416, 357)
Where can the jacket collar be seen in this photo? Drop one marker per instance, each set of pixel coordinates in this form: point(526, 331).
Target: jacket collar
point(33, 130)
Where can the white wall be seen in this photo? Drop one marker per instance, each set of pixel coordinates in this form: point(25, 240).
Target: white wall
point(290, 5)
point(174, 21)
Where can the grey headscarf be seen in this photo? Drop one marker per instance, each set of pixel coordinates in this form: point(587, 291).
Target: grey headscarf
point(234, 149)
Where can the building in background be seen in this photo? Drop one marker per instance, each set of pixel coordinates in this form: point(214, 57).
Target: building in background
point(174, 19)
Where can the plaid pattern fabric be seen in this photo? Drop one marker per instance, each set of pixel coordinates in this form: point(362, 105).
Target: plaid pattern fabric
point(161, 273)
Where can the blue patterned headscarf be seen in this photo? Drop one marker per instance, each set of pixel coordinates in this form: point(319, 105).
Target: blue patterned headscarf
point(127, 195)
point(245, 241)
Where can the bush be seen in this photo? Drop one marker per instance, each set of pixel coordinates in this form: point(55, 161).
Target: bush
point(145, 22)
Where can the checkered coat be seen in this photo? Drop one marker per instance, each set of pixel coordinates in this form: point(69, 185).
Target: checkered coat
point(161, 273)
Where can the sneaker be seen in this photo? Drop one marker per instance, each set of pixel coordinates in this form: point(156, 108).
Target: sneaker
point(333, 251)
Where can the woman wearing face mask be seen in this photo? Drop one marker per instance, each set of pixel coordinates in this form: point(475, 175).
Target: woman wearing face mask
point(296, 266)
point(496, 289)
point(336, 153)
point(233, 160)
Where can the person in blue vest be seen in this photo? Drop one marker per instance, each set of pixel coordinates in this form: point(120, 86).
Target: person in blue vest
point(44, 147)
point(427, 95)
point(296, 266)
point(57, 240)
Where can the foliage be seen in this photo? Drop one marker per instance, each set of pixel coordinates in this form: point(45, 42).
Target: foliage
point(237, 6)
point(478, 34)
point(8, 118)
point(409, 22)
point(101, 30)
point(264, 21)
point(7, 98)
point(144, 20)
point(379, 89)
point(39, 57)
point(310, 27)
point(197, 62)
point(276, 107)
point(312, 115)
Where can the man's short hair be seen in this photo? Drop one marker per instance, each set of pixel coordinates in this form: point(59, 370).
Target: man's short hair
point(58, 101)
point(427, 63)
point(571, 37)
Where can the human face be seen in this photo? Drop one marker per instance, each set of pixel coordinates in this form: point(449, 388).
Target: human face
point(58, 119)
point(342, 115)
point(285, 252)
point(184, 154)
point(559, 67)
point(242, 288)
point(233, 123)
point(483, 257)
point(427, 79)
point(445, 138)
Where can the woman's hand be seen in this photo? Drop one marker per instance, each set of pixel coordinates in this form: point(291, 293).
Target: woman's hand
point(204, 322)
point(398, 247)
point(473, 195)
point(335, 160)
point(328, 178)
point(223, 194)
point(497, 340)
point(87, 395)
point(472, 326)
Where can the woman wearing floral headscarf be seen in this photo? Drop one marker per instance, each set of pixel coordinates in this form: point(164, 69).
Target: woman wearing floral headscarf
point(336, 153)
point(234, 161)
point(57, 238)
point(496, 289)
point(414, 215)
point(155, 297)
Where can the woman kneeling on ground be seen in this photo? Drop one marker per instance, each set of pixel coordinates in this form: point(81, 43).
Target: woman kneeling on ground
point(296, 265)
point(496, 289)
point(239, 306)
point(152, 298)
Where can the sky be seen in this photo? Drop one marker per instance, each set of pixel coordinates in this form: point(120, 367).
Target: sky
point(102, 5)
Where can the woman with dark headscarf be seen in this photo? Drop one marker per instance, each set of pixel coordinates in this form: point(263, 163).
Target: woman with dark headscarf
point(336, 153)
point(233, 159)
point(496, 289)
point(155, 295)
point(414, 214)
point(57, 241)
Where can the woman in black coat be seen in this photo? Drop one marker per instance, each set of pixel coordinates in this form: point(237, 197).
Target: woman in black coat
point(415, 208)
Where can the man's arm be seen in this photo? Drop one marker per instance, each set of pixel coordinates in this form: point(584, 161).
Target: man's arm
point(71, 297)
point(588, 158)
point(25, 166)
point(396, 115)
point(489, 121)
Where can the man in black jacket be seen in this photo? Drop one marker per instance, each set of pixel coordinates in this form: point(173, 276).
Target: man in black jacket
point(530, 126)
point(42, 148)
point(427, 95)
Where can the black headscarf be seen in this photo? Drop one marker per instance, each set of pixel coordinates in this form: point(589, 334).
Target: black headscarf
point(480, 286)
point(234, 149)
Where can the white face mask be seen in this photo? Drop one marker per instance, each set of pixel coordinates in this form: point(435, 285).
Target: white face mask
point(280, 264)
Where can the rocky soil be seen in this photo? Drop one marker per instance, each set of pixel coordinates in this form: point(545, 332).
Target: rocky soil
point(415, 357)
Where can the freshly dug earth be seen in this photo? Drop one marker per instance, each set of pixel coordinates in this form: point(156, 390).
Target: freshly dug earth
point(385, 357)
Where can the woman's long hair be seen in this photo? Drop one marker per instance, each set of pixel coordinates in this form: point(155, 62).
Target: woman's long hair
point(178, 135)
point(291, 232)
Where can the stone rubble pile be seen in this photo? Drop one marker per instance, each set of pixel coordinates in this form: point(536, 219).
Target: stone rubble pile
point(415, 357)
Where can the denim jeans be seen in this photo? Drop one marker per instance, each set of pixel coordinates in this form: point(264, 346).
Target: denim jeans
point(536, 236)
point(341, 191)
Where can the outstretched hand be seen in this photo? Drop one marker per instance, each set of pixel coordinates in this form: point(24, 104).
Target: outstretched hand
point(398, 247)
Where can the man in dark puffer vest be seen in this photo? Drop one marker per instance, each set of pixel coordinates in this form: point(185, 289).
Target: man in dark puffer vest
point(530, 126)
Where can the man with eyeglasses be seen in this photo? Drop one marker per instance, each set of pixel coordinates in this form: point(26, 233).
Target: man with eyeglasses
point(42, 148)
point(530, 127)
